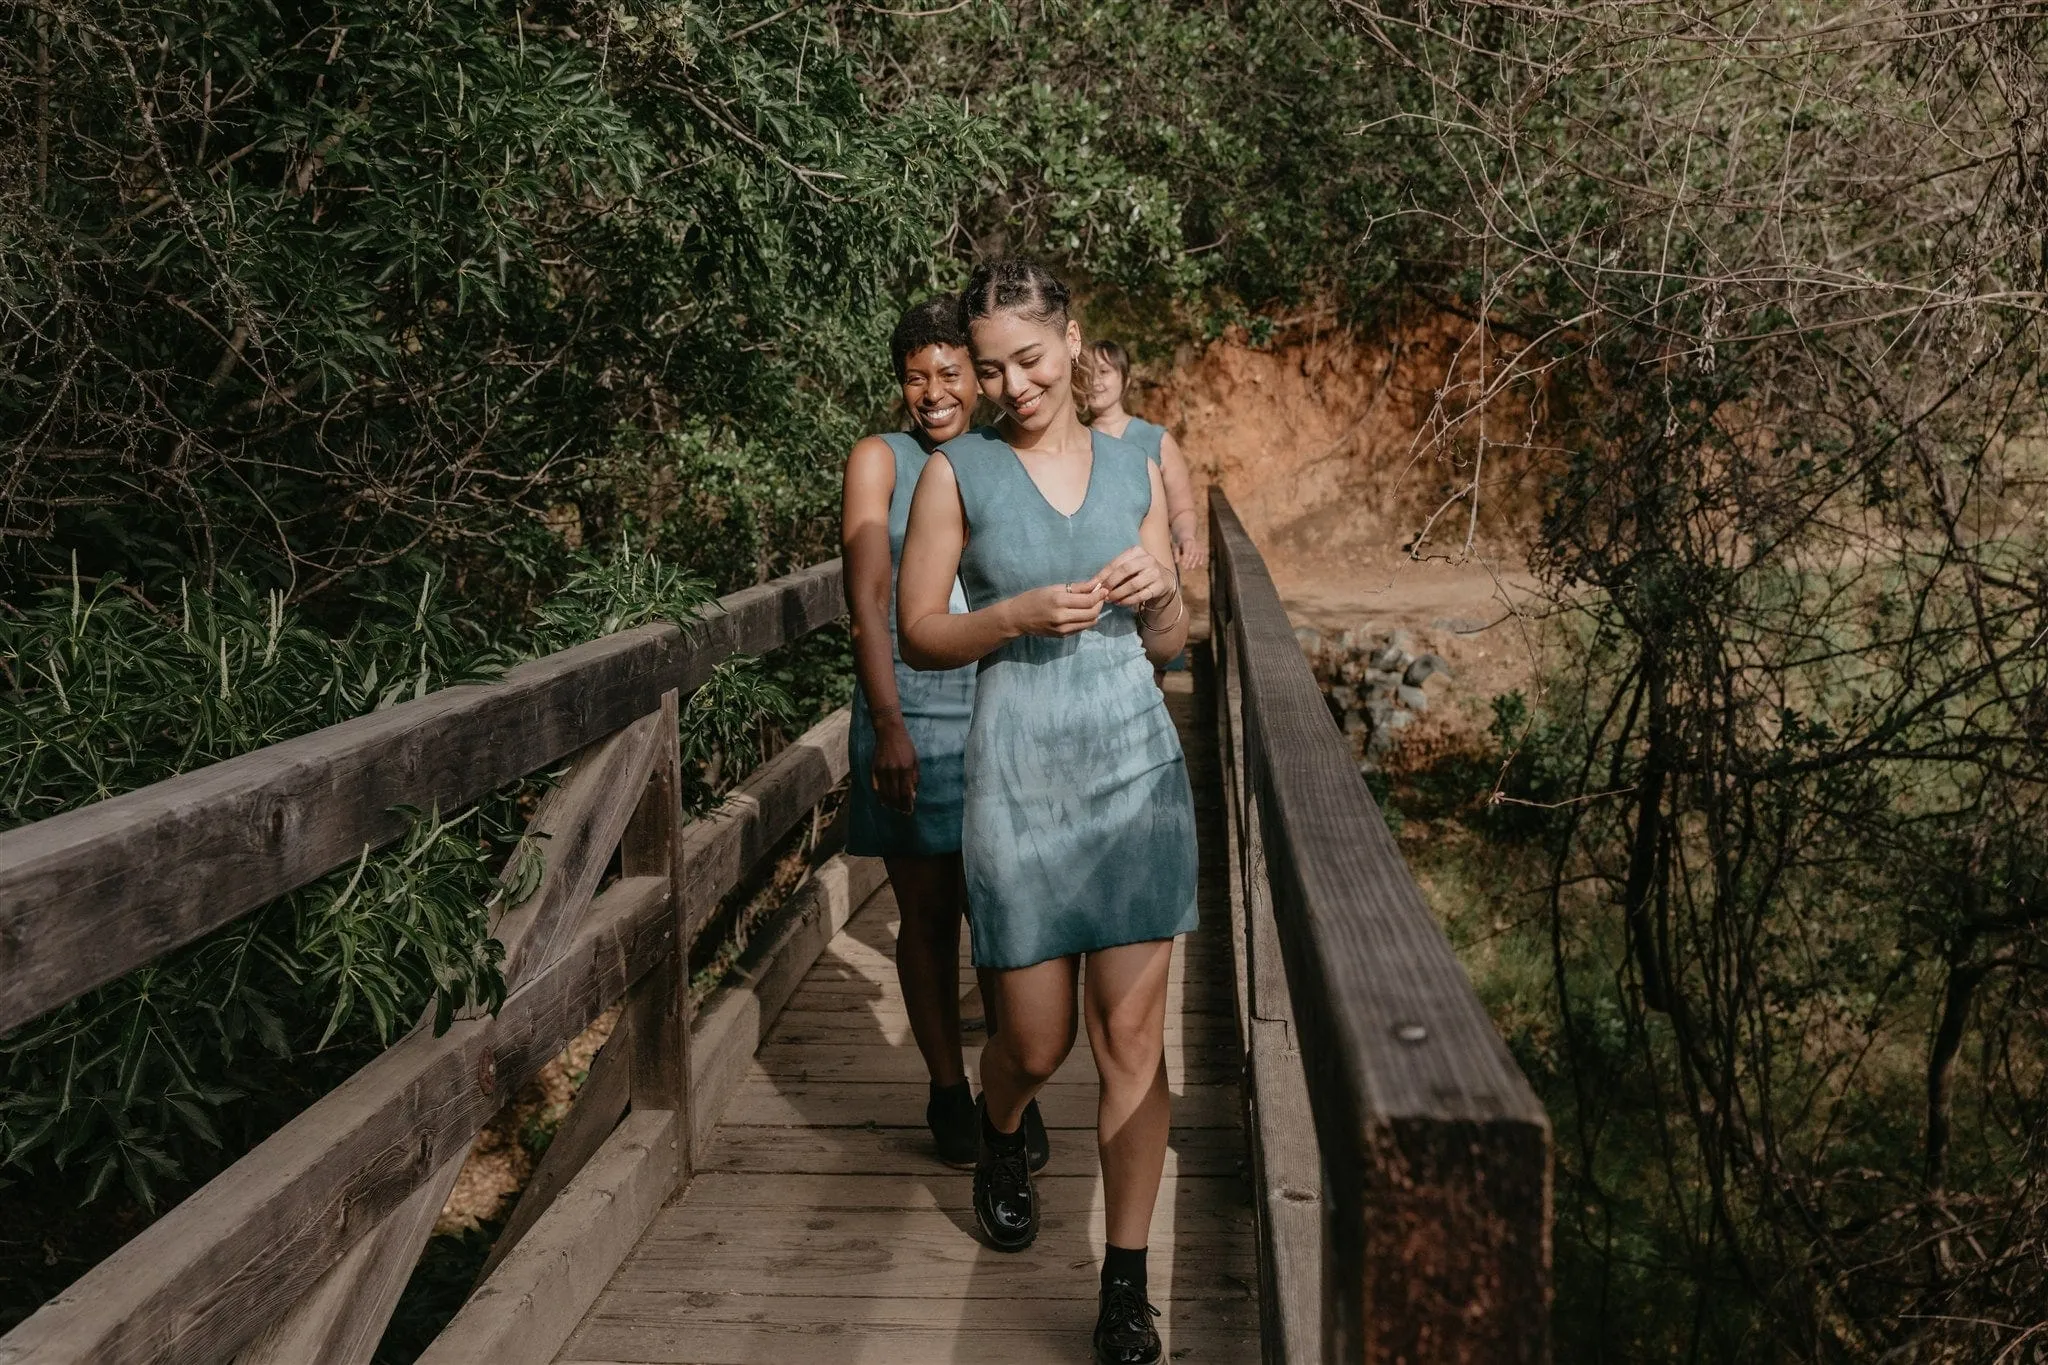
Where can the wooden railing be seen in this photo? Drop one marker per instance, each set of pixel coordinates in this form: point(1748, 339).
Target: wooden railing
point(297, 1253)
point(1401, 1161)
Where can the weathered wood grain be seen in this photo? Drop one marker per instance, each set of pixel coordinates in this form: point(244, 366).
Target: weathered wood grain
point(342, 1317)
point(527, 1309)
point(900, 1104)
point(198, 1283)
point(575, 829)
point(83, 895)
point(776, 1252)
point(731, 1329)
point(897, 1151)
point(657, 1009)
point(740, 1014)
point(722, 847)
point(600, 1104)
point(820, 1226)
point(1436, 1150)
point(1286, 1169)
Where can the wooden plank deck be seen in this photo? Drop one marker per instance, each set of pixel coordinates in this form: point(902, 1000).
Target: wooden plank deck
point(820, 1228)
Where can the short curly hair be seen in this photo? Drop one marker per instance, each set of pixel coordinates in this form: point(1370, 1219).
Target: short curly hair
point(940, 321)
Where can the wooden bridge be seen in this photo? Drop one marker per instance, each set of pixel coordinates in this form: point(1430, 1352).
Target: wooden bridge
point(1357, 1170)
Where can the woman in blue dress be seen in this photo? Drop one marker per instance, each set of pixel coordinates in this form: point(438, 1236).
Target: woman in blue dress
point(910, 729)
point(1078, 833)
point(1110, 381)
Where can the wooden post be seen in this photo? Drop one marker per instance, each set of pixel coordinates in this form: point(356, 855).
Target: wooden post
point(657, 1009)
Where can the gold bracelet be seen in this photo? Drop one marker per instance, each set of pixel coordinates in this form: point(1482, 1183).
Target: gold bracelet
point(1157, 630)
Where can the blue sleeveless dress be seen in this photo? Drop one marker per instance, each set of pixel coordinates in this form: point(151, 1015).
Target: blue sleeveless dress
point(1146, 436)
point(936, 708)
point(1080, 827)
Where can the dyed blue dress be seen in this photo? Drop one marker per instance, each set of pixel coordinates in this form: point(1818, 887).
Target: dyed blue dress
point(936, 708)
point(1146, 436)
point(1080, 827)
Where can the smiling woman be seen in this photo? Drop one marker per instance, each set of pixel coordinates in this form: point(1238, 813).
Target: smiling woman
point(909, 728)
point(1078, 834)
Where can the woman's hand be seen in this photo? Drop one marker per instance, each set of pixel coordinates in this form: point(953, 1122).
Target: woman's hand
point(1189, 555)
point(895, 765)
point(1135, 578)
point(1061, 609)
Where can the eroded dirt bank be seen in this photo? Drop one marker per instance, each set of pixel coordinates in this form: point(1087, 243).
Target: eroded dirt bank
point(1321, 443)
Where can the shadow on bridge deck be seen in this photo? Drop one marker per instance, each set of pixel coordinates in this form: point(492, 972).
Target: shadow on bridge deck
point(819, 1227)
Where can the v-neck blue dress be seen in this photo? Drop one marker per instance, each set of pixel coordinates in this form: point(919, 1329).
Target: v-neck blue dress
point(1079, 828)
point(935, 707)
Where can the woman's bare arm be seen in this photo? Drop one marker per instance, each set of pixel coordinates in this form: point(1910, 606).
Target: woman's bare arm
point(1182, 521)
point(1163, 624)
point(864, 543)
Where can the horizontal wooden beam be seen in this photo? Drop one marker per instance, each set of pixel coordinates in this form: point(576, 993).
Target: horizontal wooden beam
point(719, 849)
point(93, 893)
point(530, 1305)
point(735, 1020)
point(1286, 1165)
point(197, 1284)
point(1435, 1149)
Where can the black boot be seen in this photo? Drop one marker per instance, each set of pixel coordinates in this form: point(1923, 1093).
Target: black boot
point(951, 1117)
point(1124, 1334)
point(1036, 1143)
point(1005, 1203)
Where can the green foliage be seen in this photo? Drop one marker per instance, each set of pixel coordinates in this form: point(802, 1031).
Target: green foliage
point(310, 289)
point(158, 1077)
point(605, 594)
point(142, 1080)
point(1229, 158)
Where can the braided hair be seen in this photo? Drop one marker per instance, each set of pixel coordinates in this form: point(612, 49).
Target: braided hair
point(1015, 285)
point(1012, 285)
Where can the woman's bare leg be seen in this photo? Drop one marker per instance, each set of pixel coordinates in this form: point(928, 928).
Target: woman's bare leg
point(1036, 1006)
point(1125, 1004)
point(930, 894)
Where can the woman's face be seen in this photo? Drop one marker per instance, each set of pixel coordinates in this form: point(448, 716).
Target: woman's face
point(1026, 367)
point(1108, 390)
point(938, 388)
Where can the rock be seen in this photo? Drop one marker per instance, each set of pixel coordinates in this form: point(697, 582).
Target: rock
point(1343, 696)
point(1396, 720)
point(1414, 698)
point(1403, 641)
point(1425, 668)
point(1310, 639)
point(1352, 670)
point(1355, 723)
point(1389, 659)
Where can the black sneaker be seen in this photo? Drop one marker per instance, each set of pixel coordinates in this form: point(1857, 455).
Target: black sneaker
point(1005, 1204)
point(1123, 1329)
point(1036, 1143)
point(951, 1117)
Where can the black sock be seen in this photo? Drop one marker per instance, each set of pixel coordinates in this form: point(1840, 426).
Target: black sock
point(1122, 1263)
point(996, 1139)
point(956, 1088)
